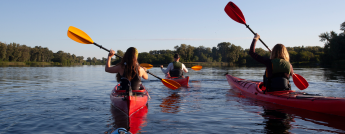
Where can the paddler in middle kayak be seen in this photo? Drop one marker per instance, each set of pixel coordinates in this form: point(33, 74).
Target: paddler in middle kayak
point(175, 68)
point(278, 67)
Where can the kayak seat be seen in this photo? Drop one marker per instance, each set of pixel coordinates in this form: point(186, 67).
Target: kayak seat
point(262, 86)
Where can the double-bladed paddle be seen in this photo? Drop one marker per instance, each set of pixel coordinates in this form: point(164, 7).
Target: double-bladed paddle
point(236, 14)
point(81, 37)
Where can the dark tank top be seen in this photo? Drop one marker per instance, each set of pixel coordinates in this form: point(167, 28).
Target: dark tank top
point(135, 82)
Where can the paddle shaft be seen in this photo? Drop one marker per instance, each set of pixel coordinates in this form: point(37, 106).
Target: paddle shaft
point(259, 38)
point(100, 46)
point(154, 75)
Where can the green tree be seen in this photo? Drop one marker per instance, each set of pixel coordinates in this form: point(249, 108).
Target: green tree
point(9, 52)
point(334, 45)
point(94, 60)
point(3, 48)
point(185, 52)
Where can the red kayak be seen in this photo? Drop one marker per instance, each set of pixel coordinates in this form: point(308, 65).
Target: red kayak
point(127, 103)
point(132, 123)
point(182, 81)
point(312, 102)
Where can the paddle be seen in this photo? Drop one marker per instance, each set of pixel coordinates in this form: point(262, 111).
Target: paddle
point(196, 67)
point(299, 81)
point(146, 65)
point(149, 66)
point(236, 14)
point(81, 37)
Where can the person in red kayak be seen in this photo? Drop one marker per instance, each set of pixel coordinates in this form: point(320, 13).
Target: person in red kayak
point(129, 71)
point(175, 68)
point(278, 67)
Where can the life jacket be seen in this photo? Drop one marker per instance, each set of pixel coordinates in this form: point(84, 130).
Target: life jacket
point(177, 71)
point(127, 85)
point(278, 81)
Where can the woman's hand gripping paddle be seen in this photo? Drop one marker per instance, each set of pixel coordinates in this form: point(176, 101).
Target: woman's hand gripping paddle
point(236, 14)
point(81, 37)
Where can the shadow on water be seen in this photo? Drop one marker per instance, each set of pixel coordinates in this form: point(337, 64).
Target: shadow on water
point(333, 74)
point(133, 123)
point(281, 119)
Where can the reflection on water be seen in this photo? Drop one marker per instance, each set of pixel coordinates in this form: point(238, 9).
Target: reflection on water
point(133, 123)
point(276, 121)
point(76, 100)
point(282, 119)
point(335, 75)
point(171, 103)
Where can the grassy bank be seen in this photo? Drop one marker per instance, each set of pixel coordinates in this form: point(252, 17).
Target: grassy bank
point(12, 64)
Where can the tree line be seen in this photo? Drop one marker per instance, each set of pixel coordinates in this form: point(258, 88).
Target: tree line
point(332, 52)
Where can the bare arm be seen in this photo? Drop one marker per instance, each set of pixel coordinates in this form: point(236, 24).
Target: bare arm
point(142, 73)
point(108, 68)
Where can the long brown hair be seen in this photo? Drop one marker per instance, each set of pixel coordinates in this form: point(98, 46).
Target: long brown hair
point(279, 51)
point(129, 63)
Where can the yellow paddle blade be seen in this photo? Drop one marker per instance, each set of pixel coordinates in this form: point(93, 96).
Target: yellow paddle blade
point(197, 67)
point(78, 35)
point(171, 84)
point(146, 65)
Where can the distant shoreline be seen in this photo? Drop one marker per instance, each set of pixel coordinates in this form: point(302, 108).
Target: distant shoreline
point(338, 64)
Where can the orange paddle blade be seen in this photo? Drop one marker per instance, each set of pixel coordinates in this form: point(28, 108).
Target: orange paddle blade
point(78, 35)
point(146, 65)
point(171, 84)
point(300, 82)
point(197, 67)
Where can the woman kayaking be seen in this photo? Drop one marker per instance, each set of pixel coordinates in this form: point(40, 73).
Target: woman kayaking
point(278, 67)
point(129, 71)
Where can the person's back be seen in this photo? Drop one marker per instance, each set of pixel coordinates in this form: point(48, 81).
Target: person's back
point(177, 71)
point(129, 72)
point(278, 67)
point(175, 68)
point(126, 84)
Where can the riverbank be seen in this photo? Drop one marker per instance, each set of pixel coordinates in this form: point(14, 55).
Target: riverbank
point(34, 64)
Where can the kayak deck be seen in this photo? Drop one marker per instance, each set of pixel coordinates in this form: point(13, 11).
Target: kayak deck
point(129, 104)
point(317, 103)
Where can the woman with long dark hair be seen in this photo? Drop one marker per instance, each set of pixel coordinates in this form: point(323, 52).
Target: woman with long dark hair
point(128, 69)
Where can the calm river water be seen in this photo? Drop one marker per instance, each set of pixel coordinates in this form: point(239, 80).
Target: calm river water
point(76, 100)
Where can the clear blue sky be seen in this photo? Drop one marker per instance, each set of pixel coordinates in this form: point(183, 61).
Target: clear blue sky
point(161, 24)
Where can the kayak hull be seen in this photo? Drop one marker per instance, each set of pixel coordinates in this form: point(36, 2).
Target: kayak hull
point(182, 81)
point(129, 104)
point(317, 103)
point(132, 123)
